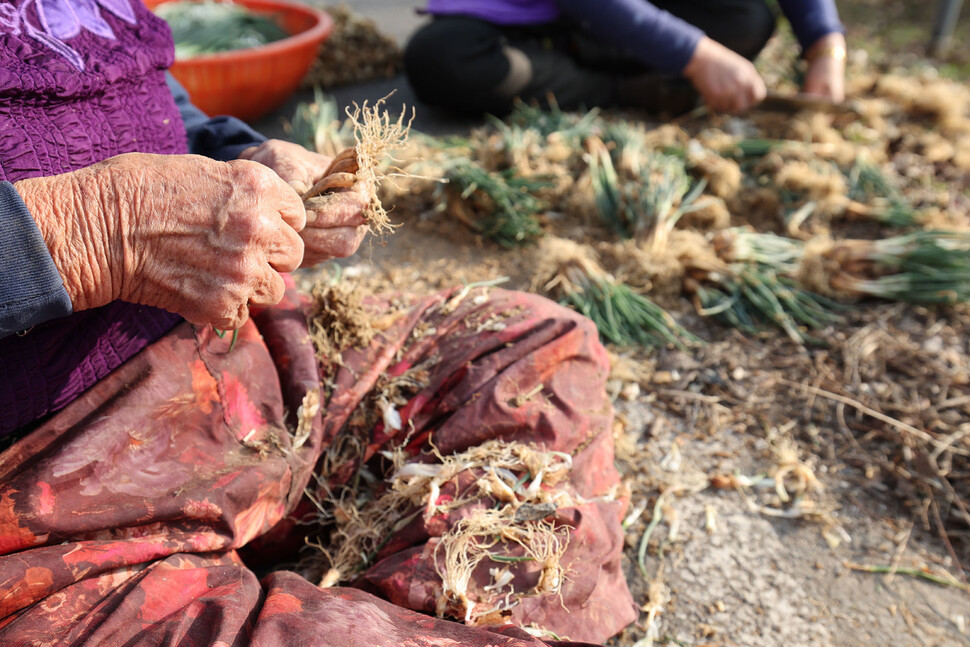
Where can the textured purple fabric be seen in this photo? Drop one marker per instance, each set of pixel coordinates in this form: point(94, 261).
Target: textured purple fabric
point(503, 12)
point(74, 90)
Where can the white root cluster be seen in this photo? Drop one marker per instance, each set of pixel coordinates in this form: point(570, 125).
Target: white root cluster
point(377, 135)
point(509, 527)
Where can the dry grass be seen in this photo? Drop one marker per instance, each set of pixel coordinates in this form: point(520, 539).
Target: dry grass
point(338, 319)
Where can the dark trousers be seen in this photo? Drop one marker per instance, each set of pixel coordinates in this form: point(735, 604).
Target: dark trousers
point(462, 64)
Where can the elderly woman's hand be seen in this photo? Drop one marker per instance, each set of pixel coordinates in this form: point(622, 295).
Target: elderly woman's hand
point(335, 223)
point(727, 81)
point(201, 238)
point(825, 77)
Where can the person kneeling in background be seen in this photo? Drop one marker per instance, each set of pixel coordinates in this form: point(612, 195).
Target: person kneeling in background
point(480, 57)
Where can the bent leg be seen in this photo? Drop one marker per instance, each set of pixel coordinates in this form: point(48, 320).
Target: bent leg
point(457, 64)
point(471, 66)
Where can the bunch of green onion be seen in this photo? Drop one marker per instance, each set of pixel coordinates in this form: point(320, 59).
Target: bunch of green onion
point(608, 193)
point(925, 266)
point(752, 296)
point(648, 206)
point(208, 27)
point(622, 316)
point(513, 206)
point(758, 290)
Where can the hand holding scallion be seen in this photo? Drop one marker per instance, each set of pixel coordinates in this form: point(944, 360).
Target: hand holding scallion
point(197, 237)
point(726, 80)
point(333, 198)
point(825, 77)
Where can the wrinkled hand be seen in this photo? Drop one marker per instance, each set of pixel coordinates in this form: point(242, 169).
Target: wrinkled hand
point(197, 237)
point(335, 223)
point(825, 77)
point(727, 81)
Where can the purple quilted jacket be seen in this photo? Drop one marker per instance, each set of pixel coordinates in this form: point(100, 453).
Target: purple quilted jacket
point(80, 81)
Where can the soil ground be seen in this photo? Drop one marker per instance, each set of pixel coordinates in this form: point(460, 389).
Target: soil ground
point(735, 575)
point(736, 566)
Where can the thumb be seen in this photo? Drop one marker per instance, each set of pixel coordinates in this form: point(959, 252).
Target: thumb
point(299, 186)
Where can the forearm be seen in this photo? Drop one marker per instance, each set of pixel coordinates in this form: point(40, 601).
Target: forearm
point(70, 212)
point(811, 20)
point(654, 36)
point(31, 288)
point(197, 237)
point(221, 138)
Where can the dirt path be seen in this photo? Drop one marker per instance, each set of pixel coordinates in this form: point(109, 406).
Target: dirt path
point(747, 578)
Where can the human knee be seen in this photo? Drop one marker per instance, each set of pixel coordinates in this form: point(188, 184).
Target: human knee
point(455, 64)
point(427, 61)
point(758, 22)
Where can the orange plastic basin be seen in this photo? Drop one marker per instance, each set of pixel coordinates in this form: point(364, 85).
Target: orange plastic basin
point(249, 83)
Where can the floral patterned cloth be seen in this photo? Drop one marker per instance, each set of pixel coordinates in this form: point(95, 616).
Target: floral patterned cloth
point(122, 516)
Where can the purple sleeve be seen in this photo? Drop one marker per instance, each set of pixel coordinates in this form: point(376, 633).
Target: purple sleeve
point(640, 29)
point(811, 19)
point(31, 289)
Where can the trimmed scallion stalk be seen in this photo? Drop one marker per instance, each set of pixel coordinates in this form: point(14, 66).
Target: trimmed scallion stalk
point(925, 266)
point(507, 214)
point(622, 316)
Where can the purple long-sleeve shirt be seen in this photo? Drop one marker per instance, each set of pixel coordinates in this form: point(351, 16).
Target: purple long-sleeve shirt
point(656, 37)
point(31, 291)
point(107, 63)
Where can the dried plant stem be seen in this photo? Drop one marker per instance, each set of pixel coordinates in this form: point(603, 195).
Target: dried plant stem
point(515, 482)
point(878, 415)
point(655, 519)
point(912, 572)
